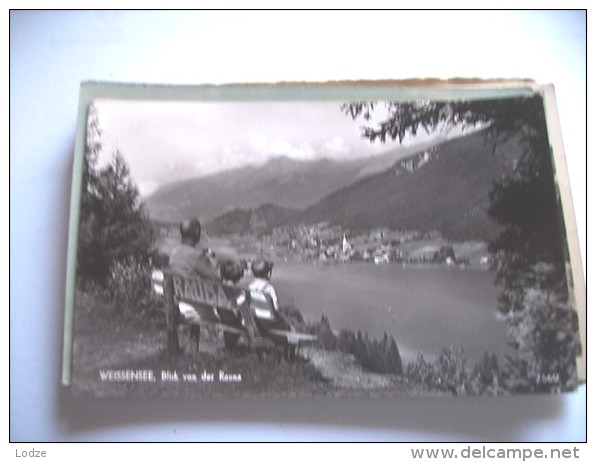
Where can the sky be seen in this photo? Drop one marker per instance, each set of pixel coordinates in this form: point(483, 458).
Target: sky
point(169, 141)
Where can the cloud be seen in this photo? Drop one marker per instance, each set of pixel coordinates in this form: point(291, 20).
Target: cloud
point(336, 146)
point(280, 148)
point(265, 148)
point(303, 151)
point(170, 141)
point(258, 142)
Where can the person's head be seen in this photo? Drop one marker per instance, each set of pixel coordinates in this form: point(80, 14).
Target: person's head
point(190, 231)
point(231, 271)
point(262, 269)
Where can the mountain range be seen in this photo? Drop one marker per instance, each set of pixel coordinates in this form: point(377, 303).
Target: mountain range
point(442, 187)
point(282, 181)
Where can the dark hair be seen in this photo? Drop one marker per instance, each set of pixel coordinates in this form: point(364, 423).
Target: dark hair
point(190, 230)
point(261, 268)
point(231, 271)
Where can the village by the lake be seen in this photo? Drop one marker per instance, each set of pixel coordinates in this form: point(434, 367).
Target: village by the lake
point(324, 243)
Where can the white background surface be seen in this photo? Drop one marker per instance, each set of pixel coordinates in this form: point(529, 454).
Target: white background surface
point(52, 52)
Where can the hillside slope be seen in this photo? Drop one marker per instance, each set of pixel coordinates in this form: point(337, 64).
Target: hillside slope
point(444, 188)
point(254, 220)
point(447, 192)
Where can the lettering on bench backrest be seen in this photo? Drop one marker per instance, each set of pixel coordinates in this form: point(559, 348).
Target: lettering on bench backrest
point(200, 290)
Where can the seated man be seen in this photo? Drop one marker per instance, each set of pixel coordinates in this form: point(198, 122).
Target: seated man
point(190, 261)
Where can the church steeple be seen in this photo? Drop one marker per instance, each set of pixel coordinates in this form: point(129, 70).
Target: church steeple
point(346, 247)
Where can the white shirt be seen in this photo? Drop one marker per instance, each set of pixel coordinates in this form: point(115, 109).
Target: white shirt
point(261, 288)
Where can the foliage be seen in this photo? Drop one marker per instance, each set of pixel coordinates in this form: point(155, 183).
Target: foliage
point(375, 355)
point(445, 252)
point(530, 251)
point(545, 342)
point(294, 318)
point(383, 356)
point(327, 338)
point(487, 376)
point(115, 235)
point(407, 119)
point(449, 373)
point(129, 287)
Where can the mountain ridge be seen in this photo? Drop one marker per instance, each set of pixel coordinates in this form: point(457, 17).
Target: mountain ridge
point(444, 188)
point(282, 181)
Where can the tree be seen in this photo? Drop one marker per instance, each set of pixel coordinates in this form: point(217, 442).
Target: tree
point(327, 338)
point(346, 342)
point(113, 229)
point(486, 376)
point(88, 259)
point(530, 251)
point(392, 358)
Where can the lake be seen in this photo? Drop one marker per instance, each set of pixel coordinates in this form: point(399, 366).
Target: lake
point(424, 307)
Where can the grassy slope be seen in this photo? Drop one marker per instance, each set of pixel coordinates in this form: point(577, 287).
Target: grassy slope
point(107, 340)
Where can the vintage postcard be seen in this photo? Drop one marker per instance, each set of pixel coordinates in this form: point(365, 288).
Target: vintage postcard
point(338, 239)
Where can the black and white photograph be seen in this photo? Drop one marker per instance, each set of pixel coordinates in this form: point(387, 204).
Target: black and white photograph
point(284, 246)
